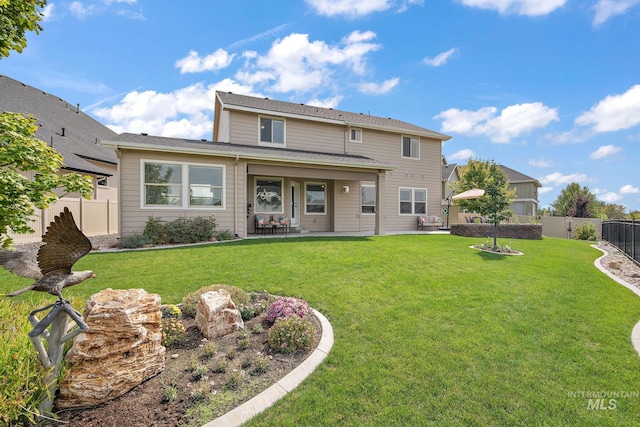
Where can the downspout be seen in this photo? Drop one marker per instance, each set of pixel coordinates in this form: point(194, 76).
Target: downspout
point(235, 195)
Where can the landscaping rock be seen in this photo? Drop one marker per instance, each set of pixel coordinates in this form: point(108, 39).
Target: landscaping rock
point(217, 315)
point(121, 349)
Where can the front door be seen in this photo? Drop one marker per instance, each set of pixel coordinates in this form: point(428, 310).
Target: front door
point(295, 204)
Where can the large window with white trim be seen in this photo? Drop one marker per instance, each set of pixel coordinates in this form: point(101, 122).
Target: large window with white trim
point(368, 199)
point(410, 147)
point(182, 185)
point(316, 198)
point(413, 201)
point(272, 131)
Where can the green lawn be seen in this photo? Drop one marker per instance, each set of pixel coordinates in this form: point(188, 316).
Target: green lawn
point(427, 330)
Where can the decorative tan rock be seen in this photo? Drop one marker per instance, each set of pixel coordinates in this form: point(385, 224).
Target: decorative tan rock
point(217, 315)
point(121, 349)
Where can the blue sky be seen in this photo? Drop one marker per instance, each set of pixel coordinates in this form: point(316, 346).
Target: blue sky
point(550, 88)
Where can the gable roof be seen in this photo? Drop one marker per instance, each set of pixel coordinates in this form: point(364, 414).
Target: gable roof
point(222, 149)
point(71, 132)
point(448, 170)
point(515, 177)
point(232, 101)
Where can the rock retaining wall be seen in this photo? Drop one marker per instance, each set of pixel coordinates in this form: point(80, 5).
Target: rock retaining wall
point(511, 231)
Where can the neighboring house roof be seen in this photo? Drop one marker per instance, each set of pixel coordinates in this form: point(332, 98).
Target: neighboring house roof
point(71, 132)
point(448, 170)
point(516, 177)
point(231, 101)
point(247, 152)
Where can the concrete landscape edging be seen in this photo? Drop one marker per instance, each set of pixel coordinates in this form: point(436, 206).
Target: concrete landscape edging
point(264, 400)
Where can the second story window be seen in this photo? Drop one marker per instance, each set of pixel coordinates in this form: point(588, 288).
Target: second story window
point(271, 131)
point(410, 148)
point(355, 135)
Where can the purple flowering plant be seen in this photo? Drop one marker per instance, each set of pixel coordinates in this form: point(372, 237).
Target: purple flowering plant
point(288, 306)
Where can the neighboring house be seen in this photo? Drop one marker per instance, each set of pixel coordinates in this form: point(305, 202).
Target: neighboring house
point(450, 178)
point(323, 169)
point(526, 200)
point(67, 129)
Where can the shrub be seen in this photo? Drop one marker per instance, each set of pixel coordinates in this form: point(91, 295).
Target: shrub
point(234, 379)
point(261, 364)
point(170, 311)
point(209, 349)
point(173, 331)
point(189, 302)
point(199, 372)
point(225, 235)
point(200, 390)
point(180, 230)
point(287, 306)
point(220, 366)
point(135, 240)
point(170, 393)
point(291, 334)
point(586, 231)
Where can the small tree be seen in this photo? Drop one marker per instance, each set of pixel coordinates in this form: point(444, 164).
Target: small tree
point(496, 202)
point(567, 199)
point(22, 156)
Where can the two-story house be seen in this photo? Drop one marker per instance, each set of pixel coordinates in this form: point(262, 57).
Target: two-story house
point(324, 169)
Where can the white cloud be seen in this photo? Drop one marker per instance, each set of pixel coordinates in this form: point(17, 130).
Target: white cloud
point(464, 154)
point(512, 122)
point(540, 163)
point(615, 112)
point(295, 64)
point(606, 9)
point(556, 178)
point(378, 88)
point(629, 189)
point(193, 63)
point(47, 12)
point(79, 9)
point(260, 36)
point(606, 196)
point(326, 103)
point(543, 190)
point(440, 59)
point(605, 151)
point(357, 8)
point(186, 112)
point(518, 7)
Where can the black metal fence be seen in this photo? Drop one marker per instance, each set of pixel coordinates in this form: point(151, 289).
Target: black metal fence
point(625, 235)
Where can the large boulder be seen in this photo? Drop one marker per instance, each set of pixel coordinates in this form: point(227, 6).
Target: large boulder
point(121, 349)
point(217, 315)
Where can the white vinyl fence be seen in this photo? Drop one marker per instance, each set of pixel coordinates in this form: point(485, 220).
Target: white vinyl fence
point(93, 217)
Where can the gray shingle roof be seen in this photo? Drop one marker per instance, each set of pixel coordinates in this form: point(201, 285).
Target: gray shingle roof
point(249, 103)
point(81, 132)
point(179, 145)
point(447, 170)
point(515, 176)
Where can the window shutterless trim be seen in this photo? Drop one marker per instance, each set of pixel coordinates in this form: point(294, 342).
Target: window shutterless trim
point(411, 153)
point(271, 143)
point(184, 186)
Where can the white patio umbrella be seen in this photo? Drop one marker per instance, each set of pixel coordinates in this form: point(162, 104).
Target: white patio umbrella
point(474, 193)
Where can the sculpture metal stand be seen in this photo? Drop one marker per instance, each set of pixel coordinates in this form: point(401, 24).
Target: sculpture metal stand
point(51, 356)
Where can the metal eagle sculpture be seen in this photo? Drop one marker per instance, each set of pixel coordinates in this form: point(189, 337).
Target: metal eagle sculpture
point(64, 244)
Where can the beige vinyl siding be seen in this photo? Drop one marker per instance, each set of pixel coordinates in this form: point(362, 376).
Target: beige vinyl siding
point(524, 190)
point(410, 173)
point(243, 128)
point(223, 128)
point(134, 217)
point(313, 136)
point(347, 206)
point(317, 222)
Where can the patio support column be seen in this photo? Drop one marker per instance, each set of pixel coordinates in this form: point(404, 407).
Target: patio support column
point(380, 229)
